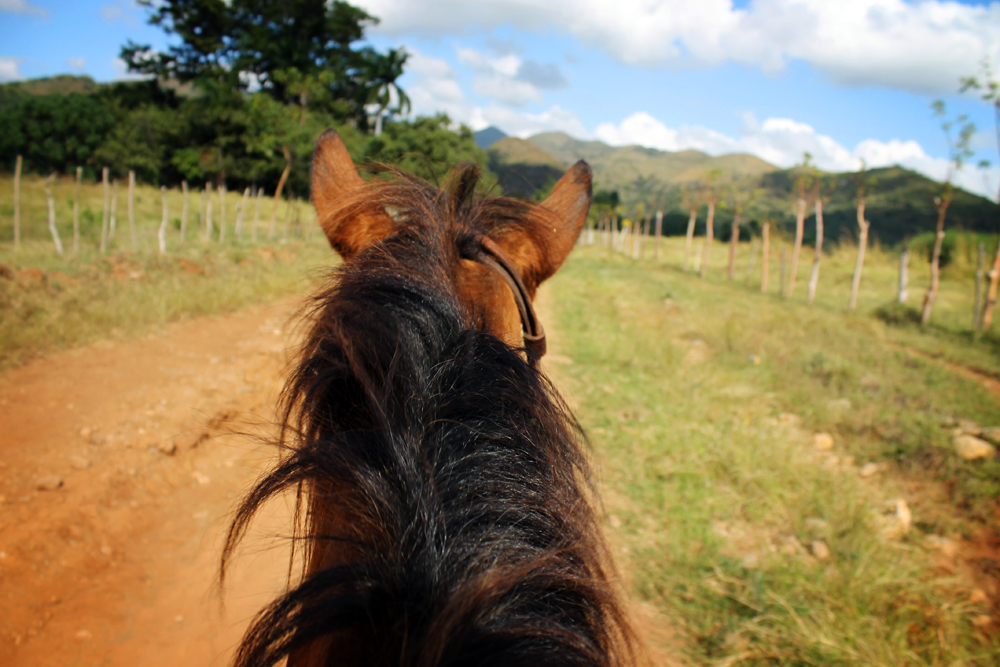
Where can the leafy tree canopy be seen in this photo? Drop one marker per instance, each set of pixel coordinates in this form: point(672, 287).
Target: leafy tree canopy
point(297, 51)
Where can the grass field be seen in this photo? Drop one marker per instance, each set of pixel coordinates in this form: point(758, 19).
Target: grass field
point(701, 398)
point(715, 492)
point(50, 301)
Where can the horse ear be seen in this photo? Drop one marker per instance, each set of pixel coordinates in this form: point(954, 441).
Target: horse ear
point(557, 226)
point(336, 187)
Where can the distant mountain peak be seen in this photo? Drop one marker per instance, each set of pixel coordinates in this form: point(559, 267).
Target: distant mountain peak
point(489, 136)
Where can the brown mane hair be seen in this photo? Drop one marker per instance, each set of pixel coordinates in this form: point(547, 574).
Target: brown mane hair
point(449, 508)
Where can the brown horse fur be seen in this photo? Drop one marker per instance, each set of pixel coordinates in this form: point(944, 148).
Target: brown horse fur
point(449, 509)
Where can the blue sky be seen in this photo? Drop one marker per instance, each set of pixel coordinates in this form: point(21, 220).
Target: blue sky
point(844, 79)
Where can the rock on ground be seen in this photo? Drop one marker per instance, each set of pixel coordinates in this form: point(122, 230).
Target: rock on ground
point(970, 448)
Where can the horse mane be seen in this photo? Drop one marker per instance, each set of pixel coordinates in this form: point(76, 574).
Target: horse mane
point(446, 476)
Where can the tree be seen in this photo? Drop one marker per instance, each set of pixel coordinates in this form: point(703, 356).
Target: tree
point(711, 196)
point(959, 151)
point(382, 86)
point(692, 202)
point(989, 89)
point(863, 184)
point(256, 43)
point(802, 181)
point(818, 257)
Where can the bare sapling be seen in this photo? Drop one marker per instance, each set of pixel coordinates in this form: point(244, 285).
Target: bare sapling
point(977, 304)
point(113, 222)
point(659, 233)
point(752, 264)
point(709, 237)
point(800, 220)
point(988, 87)
point(689, 238)
point(184, 212)
point(818, 257)
point(959, 150)
point(208, 210)
point(991, 293)
point(277, 192)
point(107, 207)
point(239, 215)
point(17, 203)
point(76, 211)
point(863, 226)
point(256, 215)
point(222, 212)
point(765, 254)
point(734, 239)
point(161, 234)
point(52, 213)
point(903, 291)
point(131, 210)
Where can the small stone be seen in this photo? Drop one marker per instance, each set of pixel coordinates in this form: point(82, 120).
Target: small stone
point(79, 462)
point(84, 635)
point(903, 516)
point(819, 550)
point(96, 439)
point(792, 547)
point(201, 477)
point(971, 448)
point(978, 596)
point(945, 546)
point(991, 435)
point(870, 470)
point(970, 427)
point(106, 550)
point(86, 431)
point(168, 447)
point(823, 442)
point(49, 482)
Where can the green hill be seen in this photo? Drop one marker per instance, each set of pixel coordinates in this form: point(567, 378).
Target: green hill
point(522, 168)
point(63, 84)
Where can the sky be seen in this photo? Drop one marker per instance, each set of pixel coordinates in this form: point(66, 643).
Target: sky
point(845, 80)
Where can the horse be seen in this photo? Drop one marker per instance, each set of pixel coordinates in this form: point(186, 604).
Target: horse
point(446, 509)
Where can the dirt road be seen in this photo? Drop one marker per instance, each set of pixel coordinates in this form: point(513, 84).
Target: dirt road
point(118, 564)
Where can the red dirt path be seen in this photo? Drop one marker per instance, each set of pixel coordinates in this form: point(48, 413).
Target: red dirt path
point(119, 565)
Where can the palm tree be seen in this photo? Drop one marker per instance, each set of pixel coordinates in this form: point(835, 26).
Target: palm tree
point(381, 81)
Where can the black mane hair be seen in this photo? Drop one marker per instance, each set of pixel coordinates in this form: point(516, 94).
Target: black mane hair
point(445, 475)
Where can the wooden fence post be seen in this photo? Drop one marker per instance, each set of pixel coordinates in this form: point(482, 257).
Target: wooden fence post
point(161, 234)
point(17, 203)
point(904, 274)
point(113, 224)
point(222, 212)
point(977, 307)
point(709, 236)
point(689, 238)
point(256, 216)
point(184, 211)
point(107, 206)
point(659, 233)
point(208, 210)
point(734, 239)
point(765, 254)
point(52, 213)
point(239, 217)
point(863, 226)
point(131, 210)
point(814, 278)
point(76, 211)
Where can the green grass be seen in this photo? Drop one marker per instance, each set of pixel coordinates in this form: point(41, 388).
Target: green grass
point(50, 302)
point(707, 484)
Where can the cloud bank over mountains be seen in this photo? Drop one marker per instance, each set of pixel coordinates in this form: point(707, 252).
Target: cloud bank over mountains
point(920, 47)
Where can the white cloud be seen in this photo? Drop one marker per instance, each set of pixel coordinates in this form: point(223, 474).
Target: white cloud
point(437, 89)
point(917, 46)
point(79, 64)
point(510, 79)
point(22, 7)
point(121, 71)
point(783, 141)
point(10, 69)
point(117, 12)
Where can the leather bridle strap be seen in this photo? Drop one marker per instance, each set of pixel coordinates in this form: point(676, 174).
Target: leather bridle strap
point(485, 251)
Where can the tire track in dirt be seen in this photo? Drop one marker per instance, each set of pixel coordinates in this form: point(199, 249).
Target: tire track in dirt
point(118, 566)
